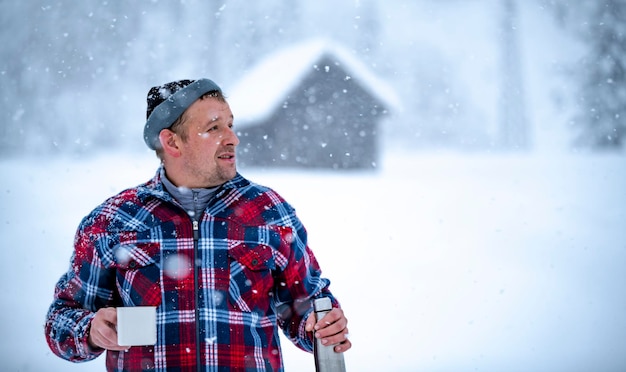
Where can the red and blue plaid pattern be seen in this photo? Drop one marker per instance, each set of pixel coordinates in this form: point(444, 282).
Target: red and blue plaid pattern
point(248, 273)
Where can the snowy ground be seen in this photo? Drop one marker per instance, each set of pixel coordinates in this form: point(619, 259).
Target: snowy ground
point(442, 262)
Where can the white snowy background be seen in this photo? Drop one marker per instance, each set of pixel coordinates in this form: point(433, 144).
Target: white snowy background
point(443, 259)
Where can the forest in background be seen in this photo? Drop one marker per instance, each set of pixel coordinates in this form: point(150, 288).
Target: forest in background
point(73, 75)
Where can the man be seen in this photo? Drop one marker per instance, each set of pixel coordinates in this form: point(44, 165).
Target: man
point(225, 261)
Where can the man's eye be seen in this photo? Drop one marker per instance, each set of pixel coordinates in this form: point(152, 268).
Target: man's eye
point(212, 129)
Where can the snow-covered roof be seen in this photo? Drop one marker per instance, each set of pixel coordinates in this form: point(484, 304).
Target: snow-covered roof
point(256, 95)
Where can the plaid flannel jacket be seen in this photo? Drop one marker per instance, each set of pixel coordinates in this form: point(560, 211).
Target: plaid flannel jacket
point(254, 273)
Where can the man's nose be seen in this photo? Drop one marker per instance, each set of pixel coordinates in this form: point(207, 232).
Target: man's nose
point(231, 138)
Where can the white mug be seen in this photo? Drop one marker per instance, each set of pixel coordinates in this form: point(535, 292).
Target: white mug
point(136, 326)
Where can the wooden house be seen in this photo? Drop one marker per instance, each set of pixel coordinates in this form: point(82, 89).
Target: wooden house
point(313, 106)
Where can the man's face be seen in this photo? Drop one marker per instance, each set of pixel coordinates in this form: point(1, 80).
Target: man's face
point(208, 153)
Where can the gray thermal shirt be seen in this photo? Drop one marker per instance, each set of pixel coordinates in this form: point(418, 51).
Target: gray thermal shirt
point(194, 201)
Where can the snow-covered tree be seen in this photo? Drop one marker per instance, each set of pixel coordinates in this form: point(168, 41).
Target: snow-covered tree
point(513, 125)
point(601, 73)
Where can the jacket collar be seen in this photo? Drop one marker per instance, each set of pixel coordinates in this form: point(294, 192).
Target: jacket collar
point(156, 189)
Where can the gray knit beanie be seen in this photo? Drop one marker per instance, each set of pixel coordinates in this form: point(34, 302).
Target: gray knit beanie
point(167, 102)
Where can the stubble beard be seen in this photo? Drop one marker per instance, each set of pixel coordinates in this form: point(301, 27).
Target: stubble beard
point(220, 175)
point(225, 174)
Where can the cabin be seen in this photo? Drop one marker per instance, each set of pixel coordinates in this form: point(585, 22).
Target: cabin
point(313, 105)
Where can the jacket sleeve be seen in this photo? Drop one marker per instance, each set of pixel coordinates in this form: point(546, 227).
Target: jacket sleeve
point(78, 294)
point(298, 283)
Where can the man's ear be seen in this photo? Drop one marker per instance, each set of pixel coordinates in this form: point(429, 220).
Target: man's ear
point(169, 142)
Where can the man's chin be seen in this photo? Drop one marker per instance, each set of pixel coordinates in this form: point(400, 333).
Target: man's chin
point(228, 174)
